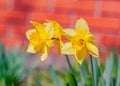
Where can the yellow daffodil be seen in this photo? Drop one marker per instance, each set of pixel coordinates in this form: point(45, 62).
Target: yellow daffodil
point(80, 42)
point(43, 37)
point(57, 34)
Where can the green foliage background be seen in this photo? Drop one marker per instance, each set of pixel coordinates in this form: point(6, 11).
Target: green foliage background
point(13, 71)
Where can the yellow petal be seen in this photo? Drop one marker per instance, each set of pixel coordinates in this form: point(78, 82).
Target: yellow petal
point(80, 55)
point(68, 33)
point(44, 53)
point(29, 33)
point(38, 26)
point(67, 48)
point(81, 25)
point(30, 49)
point(89, 37)
point(57, 27)
point(92, 49)
point(33, 48)
point(59, 46)
point(50, 43)
point(49, 29)
point(33, 37)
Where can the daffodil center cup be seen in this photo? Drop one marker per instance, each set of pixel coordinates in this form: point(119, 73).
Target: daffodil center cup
point(78, 43)
point(81, 42)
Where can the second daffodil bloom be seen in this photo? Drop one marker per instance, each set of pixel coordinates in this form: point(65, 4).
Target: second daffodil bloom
point(57, 34)
point(41, 38)
point(80, 42)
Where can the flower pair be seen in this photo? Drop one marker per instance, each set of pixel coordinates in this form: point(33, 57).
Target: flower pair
point(43, 37)
point(80, 40)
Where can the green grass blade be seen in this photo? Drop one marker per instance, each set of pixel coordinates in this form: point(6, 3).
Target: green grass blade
point(109, 68)
point(37, 83)
point(118, 72)
point(12, 68)
point(102, 79)
point(54, 76)
point(95, 69)
point(83, 75)
point(67, 84)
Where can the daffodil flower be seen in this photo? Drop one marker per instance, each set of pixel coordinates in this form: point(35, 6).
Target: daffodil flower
point(43, 37)
point(80, 42)
point(57, 34)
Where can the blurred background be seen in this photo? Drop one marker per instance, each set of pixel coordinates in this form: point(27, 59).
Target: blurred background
point(103, 17)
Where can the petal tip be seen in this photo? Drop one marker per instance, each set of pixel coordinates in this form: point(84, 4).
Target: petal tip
point(80, 62)
point(43, 59)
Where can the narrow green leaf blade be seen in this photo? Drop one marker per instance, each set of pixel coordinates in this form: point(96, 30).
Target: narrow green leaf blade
point(54, 76)
point(37, 83)
point(102, 78)
point(83, 75)
point(71, 70)
point(109, 68)
point(67, 84)
point(118, 72)
point(95, 69)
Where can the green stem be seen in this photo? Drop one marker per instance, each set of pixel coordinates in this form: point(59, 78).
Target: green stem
point(69, 64)
point(91, 61)
point(67, 84)
point(71, 70)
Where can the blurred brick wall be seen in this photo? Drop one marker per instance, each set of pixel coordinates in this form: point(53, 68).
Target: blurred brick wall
point(103, 17)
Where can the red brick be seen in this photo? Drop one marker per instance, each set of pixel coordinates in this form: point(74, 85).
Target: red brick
point(20, 30)
point(63, 19)
point(2, 29)
point(78, 6)
point(3, 4)
point(16, 15)
point(30, 5)
point(11, 16)
point(3, 15)
point(109, 40)
point(110, 8)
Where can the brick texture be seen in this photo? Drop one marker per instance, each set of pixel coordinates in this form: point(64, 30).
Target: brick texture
point(103, 17)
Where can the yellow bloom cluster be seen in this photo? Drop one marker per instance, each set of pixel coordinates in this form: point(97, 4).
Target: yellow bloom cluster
point(48, 34)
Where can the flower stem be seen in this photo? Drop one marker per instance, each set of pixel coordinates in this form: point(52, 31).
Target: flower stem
point(69, 64)
point(91, 61)
point(71, 70)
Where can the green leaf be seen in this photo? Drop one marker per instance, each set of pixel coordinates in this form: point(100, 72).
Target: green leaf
point(71, 70)
point(102, 78)
point(118, 72)
point(94, 68)
point(109, 67)
point(37, 83)
point(67, 84)
point(12, 68)
point(53, 74)
point(83, 75)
